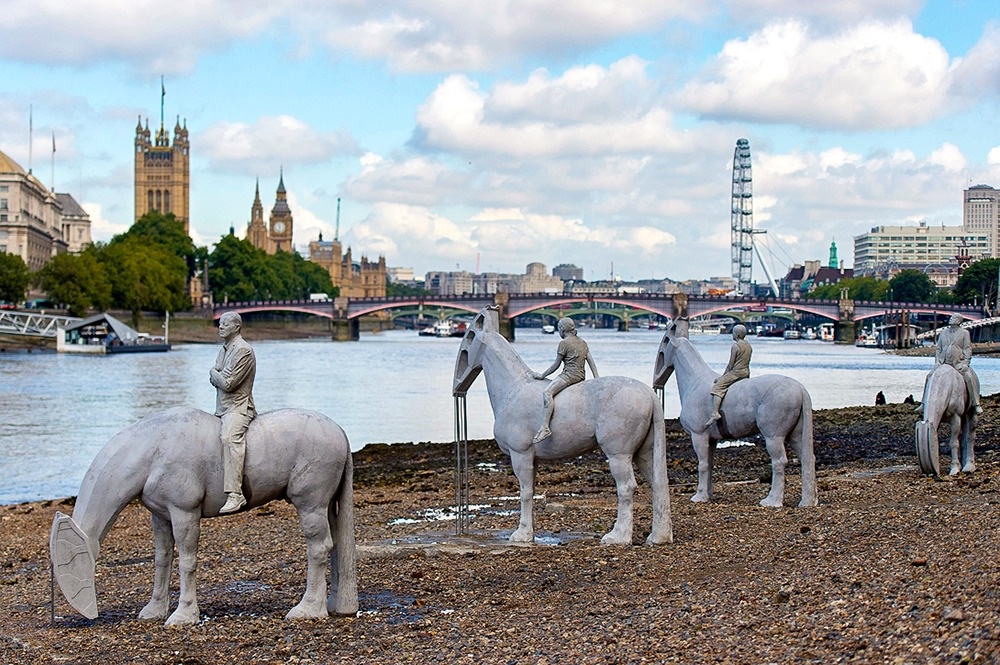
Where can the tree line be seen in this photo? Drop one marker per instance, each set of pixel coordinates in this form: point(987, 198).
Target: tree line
point(148, 268)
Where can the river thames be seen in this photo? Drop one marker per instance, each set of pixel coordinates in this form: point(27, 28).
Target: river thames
point(391, 387)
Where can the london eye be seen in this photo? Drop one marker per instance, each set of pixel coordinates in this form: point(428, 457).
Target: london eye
point(742, 219)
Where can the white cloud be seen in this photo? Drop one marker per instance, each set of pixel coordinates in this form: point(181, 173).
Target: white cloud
point(872, 75)
point(161, 38)
point(453, 35)
point(101, 229)
point(271, 140)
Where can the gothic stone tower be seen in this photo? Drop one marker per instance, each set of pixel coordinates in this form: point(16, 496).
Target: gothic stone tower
point(256, 231)
point(163, 173)
point(281, 222)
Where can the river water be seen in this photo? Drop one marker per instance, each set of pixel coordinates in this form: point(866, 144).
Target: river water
point(56, 411)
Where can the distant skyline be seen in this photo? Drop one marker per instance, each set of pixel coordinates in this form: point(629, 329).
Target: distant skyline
point(594, 133)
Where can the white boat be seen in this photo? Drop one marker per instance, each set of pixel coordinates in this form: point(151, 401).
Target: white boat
point(792, 333)
point(809, 333)
point(549, 329)
point(827, 332)
point(867, 338)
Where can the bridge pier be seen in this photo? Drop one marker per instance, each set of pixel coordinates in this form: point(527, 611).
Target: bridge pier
point(845, 326)
point(680, 302)
point(344, 329)
point(501, 299)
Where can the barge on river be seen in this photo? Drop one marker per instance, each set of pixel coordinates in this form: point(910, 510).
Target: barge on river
point(104, 334)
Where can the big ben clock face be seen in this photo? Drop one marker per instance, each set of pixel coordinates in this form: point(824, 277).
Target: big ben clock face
point(279, 227)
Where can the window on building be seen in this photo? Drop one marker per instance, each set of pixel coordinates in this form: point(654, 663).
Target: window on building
point(166, 201)
point(149, 200)
point(159, 200)
point(3, 204)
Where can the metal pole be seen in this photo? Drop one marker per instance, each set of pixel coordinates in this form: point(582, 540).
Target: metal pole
point(461, 465)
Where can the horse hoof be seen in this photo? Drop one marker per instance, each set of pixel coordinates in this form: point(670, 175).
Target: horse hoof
point(611, 539)
point(771, 503)
point(300, 612)
point(809, 503)
point(522, 537)
point(151, 613)
point(700, 498)
point(968, 468)
point(953, 471)
point(660, 540)
point(181, 620)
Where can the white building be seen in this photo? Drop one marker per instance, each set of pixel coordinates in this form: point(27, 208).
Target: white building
point(885, 250)
point(32, 218)
point(981, 215)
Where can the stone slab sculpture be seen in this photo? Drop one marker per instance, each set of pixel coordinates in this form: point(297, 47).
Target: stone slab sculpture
point(946, 400)
point(621, 416)
point(172, 462)
point(777, 407)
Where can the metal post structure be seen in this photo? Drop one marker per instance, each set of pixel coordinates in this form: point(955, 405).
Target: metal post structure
point(742, 218)
point(461, 466)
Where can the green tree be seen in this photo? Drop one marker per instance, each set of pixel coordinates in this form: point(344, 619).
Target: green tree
point(395, 289)
point(299, 277)
point(145, 276)
point(912, 286)
point(978, 283)
point(14, 277)
point(163, 229)
point(238, 271)
point(78, 282)
point(858, 288)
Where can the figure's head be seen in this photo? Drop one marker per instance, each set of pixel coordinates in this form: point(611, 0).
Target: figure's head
point(956, 320)
point(566, 327)
point(739, 331)
point(230, 324)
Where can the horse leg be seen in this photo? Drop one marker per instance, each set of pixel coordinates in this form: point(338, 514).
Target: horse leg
point(704, 449)
point(969, 443)
point(776, 449)
point(621, 471)
point(319, 543)
point(163, 539)
point(955, 425)
point(187, 530)
point(524, 469)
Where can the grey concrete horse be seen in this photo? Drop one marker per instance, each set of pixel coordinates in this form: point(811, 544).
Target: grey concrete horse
point(946, 400)
point(172, 462)
point(778, 407)
point(618, 414)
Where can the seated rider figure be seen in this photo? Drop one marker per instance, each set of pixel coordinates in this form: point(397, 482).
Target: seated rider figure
point(573, 353)
point(954, 347)
point(737, 369)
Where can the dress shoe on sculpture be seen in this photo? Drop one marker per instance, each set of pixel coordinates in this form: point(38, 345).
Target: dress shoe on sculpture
point(543, 434)
point(979, 410)
point(715, 417)
point(233, 503)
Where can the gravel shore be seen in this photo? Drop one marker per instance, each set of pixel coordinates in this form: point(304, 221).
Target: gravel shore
point(891, 567)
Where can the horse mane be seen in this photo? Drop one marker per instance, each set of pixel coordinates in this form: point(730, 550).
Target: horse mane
point(506, 354)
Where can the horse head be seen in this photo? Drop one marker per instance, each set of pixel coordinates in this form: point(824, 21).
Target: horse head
point(469, 362)
point(665, 353)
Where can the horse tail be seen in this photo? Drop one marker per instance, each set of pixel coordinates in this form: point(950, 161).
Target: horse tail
point(807, 456)
point(343, 598)
point(663, 530)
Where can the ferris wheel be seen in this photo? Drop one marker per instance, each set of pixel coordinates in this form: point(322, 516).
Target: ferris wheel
point(742, 220)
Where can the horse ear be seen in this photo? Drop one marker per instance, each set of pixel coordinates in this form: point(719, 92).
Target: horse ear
point(491, 319)
point(680, 327)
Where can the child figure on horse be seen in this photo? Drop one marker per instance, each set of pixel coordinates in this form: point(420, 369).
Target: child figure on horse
point(573, 353)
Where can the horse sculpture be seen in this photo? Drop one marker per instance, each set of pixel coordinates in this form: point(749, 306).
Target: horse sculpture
point(620, 415)
point(777, 407)
point(172, 462)
point(946, 399)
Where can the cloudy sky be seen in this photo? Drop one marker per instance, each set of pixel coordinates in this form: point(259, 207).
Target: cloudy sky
point(494, 133)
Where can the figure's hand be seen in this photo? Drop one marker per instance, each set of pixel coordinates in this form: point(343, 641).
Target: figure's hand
point(537, 376)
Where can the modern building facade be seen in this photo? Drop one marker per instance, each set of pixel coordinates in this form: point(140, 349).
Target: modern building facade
point(886, 250)
point(163, 173)
point(35, 223)
point(981, 215)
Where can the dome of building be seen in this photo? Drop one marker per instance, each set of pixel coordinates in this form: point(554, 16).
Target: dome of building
point(8, 165)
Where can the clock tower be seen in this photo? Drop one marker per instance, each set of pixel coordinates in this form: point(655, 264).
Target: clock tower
point(280, 236)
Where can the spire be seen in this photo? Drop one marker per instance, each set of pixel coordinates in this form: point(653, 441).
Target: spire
point(833, 255)
point(281, 180)
point(256, 194)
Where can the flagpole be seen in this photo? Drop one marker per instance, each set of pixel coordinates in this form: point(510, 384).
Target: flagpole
point(53, 163)
point(30, 135)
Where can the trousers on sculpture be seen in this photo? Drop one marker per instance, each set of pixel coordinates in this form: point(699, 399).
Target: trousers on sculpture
point(234, 432)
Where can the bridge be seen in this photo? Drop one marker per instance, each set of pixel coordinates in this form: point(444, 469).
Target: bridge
point(29, 324)
point(346, 312)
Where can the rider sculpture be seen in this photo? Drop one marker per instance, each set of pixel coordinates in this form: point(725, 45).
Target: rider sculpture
point(572, 353)
point(232, 377)
point(737, 369)
point(954, 348)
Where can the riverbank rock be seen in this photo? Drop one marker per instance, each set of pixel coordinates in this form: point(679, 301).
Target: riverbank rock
point(890, 567)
